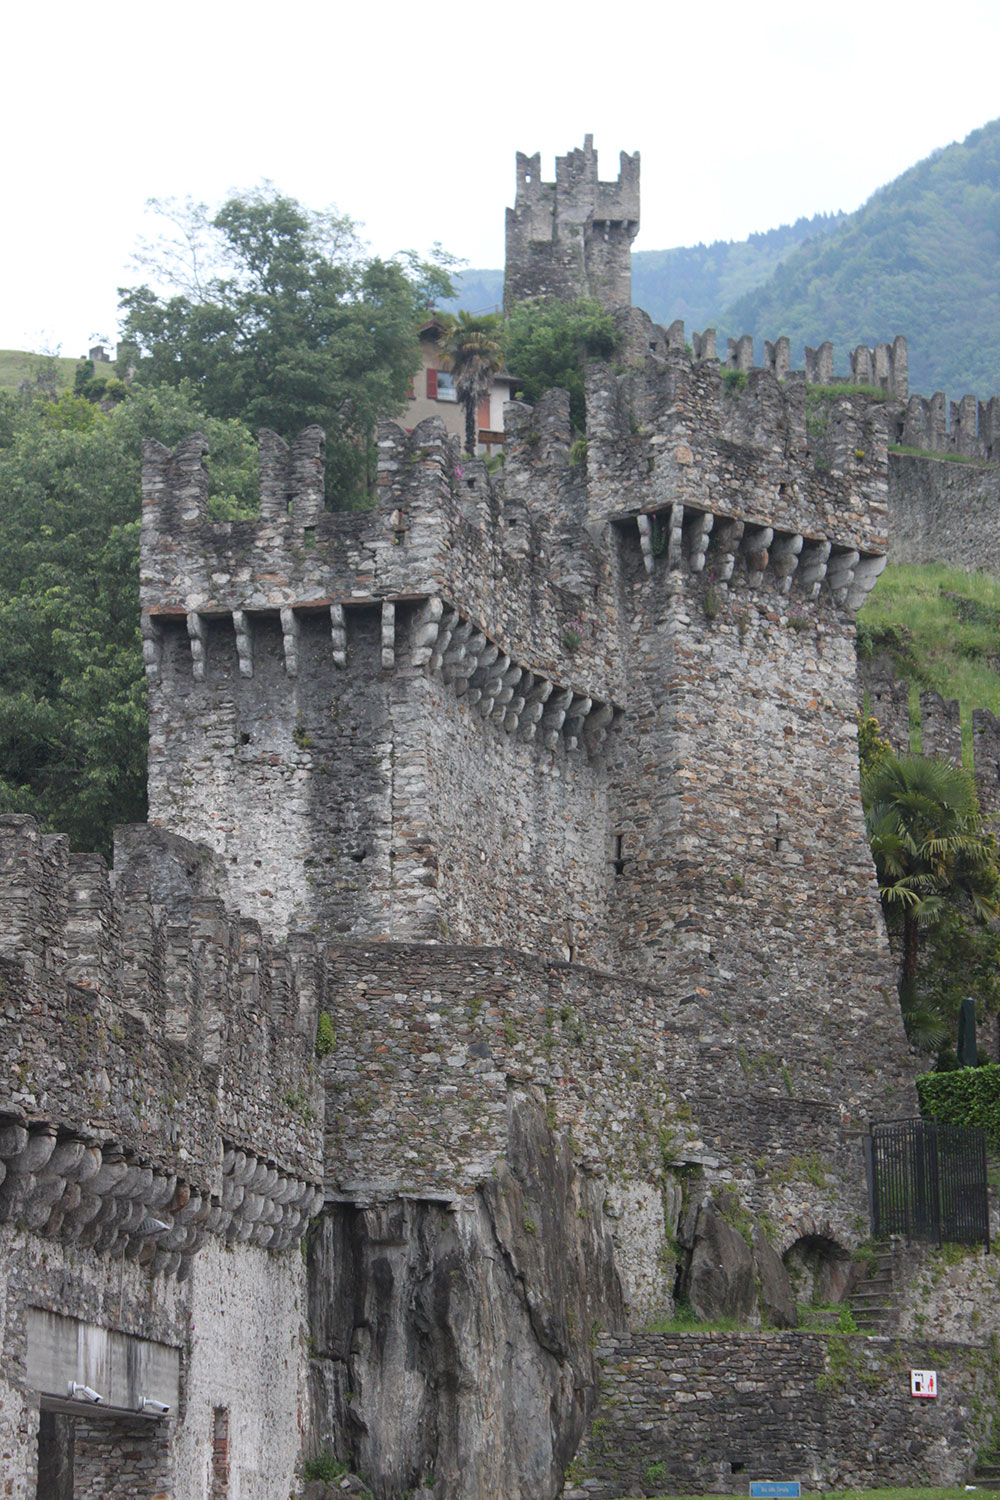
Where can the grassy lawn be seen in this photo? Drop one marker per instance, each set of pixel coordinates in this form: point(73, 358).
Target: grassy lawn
point(941, 628)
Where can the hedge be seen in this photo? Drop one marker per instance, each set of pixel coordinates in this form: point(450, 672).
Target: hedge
point(970, 1096)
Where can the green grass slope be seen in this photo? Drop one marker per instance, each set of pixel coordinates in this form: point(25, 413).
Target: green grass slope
point(17, 366)
point(941, 629)
point(921, 257)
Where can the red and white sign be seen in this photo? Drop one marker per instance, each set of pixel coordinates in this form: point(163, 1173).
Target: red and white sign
point(923, 1383)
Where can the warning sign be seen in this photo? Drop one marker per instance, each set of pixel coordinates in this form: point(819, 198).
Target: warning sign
point(923, 1382)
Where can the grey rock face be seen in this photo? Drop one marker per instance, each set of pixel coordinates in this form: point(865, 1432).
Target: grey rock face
point(720, 1280)
point(774, 1289)
point(454, 1342)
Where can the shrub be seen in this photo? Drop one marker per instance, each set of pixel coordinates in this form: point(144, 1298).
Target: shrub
point(969, 1096)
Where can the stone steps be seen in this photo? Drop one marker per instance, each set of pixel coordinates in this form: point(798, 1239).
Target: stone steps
point(872, 1302)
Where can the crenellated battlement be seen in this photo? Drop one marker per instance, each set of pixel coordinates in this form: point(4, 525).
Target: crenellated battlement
point(967, 429)
point(145, 1025)
point(313, 674)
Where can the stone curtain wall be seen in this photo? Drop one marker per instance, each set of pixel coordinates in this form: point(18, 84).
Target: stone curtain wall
point(147, 1013)
point(708, 1412)
point(642, 1081)
point(944, 512)
point(159, 1062)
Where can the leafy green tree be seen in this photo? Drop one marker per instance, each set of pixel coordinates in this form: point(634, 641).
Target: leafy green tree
point(473, 350)
point(72, 690)
point(280, 321)
point(934, 859)
point(548, 344)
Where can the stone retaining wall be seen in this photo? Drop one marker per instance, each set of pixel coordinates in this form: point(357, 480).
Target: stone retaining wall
point(708, 1412)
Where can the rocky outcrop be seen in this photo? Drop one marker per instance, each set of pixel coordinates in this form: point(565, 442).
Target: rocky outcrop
point(453, 1341)
point(733, 1272)
point(774, 1287)
point(720, 1280)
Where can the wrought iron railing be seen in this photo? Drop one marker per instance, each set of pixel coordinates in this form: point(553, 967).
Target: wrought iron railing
point(927, 1181)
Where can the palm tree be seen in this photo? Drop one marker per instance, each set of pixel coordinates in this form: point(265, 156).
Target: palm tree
point(473, 351)
point(930, 849)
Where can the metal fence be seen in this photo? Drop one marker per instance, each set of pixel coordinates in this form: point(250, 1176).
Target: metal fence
point(927, 1181)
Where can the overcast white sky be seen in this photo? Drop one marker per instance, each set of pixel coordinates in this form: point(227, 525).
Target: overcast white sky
point(407, 117)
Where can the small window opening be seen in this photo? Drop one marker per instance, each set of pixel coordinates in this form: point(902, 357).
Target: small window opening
point(471, 483)
point(309, 538)
point(358, 855)
point(244, 737)
point(527, 176)
point(779, 841)
point(288, 506)
point(220, 1453)
point(736, 1467)
point(619, 859)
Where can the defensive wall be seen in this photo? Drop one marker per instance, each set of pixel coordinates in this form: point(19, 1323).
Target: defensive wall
point(160, 1159)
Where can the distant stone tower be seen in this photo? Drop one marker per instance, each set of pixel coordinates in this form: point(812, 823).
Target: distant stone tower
point(572, 237)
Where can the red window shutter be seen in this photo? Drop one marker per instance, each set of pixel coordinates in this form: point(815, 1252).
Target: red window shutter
point(413, 390)
point(432, 385)
point(483, 415)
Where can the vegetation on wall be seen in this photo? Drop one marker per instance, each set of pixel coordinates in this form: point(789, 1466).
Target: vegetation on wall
point(968, 1096)
point(940, 628)
point(548, 344)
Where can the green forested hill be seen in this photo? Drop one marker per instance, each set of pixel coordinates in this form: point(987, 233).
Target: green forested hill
point(921, 257)
point(697, 282)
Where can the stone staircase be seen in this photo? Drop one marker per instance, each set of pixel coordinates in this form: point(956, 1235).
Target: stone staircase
point(872, 1302)
point(986, 1474)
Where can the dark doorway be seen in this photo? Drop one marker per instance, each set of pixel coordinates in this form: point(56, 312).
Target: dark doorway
point(55, 1456)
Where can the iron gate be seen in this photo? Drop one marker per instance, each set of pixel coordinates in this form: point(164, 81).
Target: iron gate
point(927, 1181)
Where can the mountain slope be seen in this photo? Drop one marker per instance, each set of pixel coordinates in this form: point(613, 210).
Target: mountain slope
point(921, 257)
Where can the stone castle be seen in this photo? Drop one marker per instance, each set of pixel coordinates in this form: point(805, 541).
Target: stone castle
point(502, 960)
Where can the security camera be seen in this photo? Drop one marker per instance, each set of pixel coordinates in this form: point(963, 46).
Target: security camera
point(155, 1408)
point(85, 1393)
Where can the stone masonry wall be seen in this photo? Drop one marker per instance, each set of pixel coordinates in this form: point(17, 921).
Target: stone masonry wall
point(944, 512)
point(159, 1065)
point(707, 1412)
point(237, 1320)
point(643, 1081)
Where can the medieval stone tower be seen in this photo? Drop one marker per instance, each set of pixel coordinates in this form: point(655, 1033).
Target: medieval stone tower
point(572, 237)
point(505, 921)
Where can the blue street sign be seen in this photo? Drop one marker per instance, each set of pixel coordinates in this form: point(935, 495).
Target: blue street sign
point(775, 1489)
